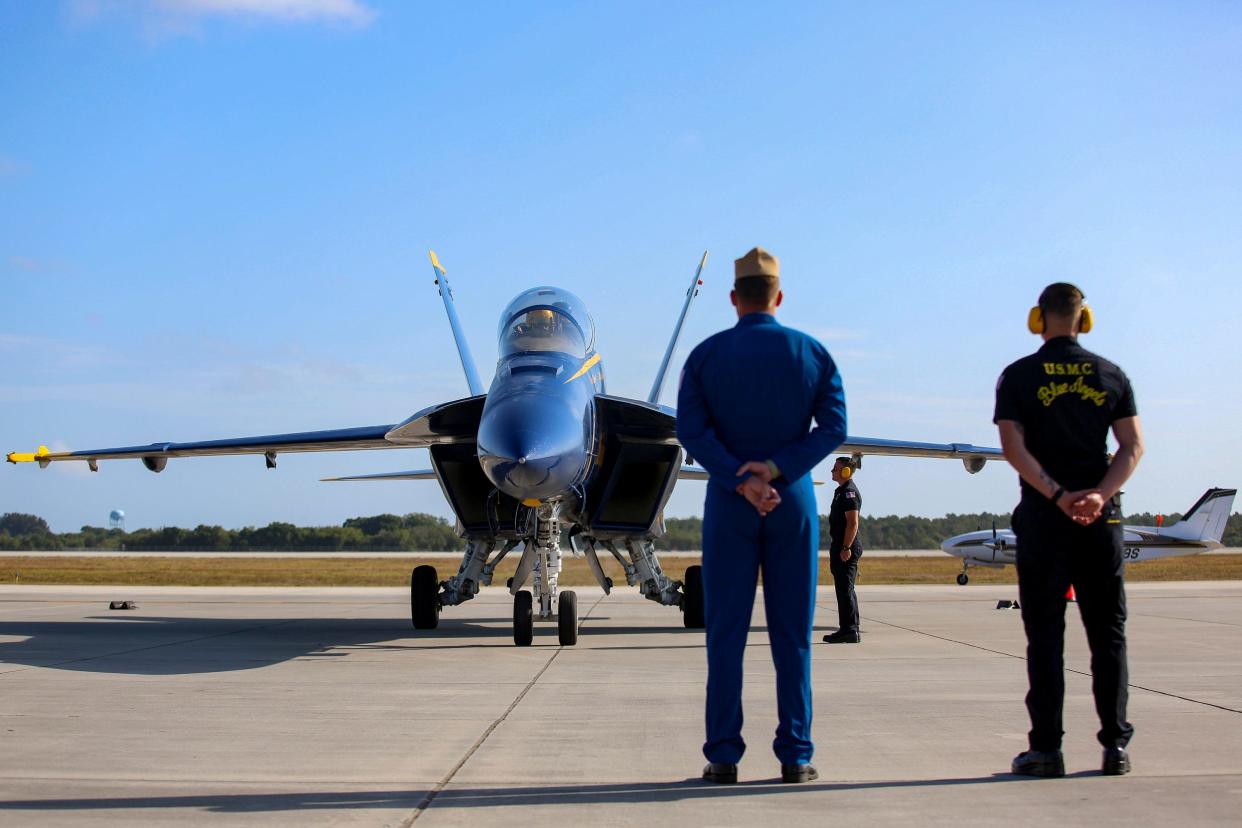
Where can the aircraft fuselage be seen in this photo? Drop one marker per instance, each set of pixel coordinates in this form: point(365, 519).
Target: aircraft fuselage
point(537, 430)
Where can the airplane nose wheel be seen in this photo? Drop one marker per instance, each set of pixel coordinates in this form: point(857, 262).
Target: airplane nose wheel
point(567, 618)
point(692, 599)
point(425, 598)
point(963, 579)
point(523, 618)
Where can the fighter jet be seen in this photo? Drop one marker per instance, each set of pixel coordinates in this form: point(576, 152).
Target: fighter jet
point(543, 452)
point(1199, 530)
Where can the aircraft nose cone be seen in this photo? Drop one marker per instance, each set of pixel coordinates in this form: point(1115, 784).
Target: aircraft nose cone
point(531, 448)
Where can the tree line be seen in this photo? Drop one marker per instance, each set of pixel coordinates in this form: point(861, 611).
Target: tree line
point(428, 533)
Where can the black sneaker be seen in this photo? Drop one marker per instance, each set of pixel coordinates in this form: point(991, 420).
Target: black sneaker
point(799, 773)
point(1116, 762)
point(843, 637)
point(1039, 763)
point(722, 773)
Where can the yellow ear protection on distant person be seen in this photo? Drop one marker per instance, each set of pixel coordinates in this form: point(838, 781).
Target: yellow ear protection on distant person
point(847, 467)
point(1035, 319)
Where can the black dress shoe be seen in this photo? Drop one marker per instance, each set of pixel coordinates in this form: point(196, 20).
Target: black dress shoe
point(843, 637)
point(799, 773)
point(1116, 762)
point(722, 773)
point(1048, 763)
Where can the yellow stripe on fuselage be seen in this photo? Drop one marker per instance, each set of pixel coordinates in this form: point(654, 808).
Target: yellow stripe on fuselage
point(586, 366)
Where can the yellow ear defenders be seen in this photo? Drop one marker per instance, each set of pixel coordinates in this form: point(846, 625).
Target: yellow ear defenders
point(846, 472)
point(1035, 320)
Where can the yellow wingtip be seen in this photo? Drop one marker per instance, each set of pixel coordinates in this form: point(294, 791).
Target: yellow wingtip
point(27, 457)
point(435, 262)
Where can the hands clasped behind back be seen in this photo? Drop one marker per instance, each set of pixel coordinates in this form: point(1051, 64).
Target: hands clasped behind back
point(757, 488)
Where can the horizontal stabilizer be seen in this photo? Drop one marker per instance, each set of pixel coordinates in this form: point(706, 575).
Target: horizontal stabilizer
point(692, 473)
point(415, 474)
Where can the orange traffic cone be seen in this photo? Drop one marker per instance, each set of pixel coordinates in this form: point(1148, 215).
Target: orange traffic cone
point(1069, 594)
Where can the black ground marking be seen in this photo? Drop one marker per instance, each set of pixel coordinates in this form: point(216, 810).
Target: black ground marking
point(426, 801)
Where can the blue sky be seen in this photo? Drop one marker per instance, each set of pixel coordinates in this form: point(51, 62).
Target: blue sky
point(214, 218)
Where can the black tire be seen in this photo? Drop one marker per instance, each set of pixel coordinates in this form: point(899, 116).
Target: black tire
point(692, 599)
point(425, 598)
point(523, 619)
point(963, 579)
point(567, 618)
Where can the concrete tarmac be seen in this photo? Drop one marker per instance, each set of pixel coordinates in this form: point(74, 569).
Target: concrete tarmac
point(319, 706)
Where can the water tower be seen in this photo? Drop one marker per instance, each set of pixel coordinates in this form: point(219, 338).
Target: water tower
point(116, 520)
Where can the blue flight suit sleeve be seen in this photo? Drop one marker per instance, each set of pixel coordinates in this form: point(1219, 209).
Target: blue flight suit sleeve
point(802, 455)
point(694, 430)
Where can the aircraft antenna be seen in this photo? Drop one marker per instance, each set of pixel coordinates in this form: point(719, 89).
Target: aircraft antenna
point(693, 291)
point(463, 349)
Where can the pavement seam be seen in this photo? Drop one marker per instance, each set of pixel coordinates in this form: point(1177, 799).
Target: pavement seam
point(1067, 669)
point(426, 801)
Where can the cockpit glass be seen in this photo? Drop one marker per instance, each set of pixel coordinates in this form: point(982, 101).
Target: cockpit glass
point(546, 319)
point(542, 329)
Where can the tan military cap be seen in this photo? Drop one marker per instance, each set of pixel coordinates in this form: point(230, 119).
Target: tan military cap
point(758, 262)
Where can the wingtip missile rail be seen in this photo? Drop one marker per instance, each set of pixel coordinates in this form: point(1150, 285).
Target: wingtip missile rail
point(38, 456)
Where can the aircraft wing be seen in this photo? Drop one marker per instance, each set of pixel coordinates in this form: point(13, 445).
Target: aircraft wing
point(443, 423)
point(651, 422)
point(155, 455)
point(973, 457)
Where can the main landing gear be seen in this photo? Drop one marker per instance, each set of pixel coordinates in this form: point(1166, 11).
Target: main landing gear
point(692, 599)
point(962, 579)
point(424, 598)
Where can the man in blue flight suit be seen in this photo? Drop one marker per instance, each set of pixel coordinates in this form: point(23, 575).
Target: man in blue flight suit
point(744, 411)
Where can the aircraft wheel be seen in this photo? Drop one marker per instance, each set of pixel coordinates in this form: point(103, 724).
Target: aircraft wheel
point(692, 600)
point(567, 618)
point(963, 579)
point(425, 598)
point(523, 618)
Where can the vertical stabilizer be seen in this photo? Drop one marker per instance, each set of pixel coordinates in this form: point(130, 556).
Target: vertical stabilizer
point(463, 350)
point(1206, 519)
point(658, 385)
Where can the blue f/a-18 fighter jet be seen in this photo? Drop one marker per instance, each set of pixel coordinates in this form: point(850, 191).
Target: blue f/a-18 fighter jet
point(543, 451)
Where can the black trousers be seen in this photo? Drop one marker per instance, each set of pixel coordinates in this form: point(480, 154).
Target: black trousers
point(1053, 553)
point(844, 574)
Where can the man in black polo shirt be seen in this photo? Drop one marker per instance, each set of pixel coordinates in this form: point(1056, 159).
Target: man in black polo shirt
point(844, 549)
point(1054, 410)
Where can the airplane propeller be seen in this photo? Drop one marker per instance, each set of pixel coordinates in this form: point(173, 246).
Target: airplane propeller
point(998, 543)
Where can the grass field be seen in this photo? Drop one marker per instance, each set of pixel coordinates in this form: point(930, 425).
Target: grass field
point(293, 571)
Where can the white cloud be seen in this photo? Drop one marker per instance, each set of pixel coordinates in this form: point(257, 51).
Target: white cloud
point(44, 353)
point(345, 11)
point(171, 17)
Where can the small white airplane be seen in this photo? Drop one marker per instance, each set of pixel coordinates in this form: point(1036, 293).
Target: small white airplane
point(1199, 530)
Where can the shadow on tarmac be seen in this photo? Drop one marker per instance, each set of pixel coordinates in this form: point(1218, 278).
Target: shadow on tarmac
point(161, 646)
point(568, 795)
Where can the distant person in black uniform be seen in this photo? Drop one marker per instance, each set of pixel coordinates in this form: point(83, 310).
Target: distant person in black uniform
point(1054, 410)
point(844, 550)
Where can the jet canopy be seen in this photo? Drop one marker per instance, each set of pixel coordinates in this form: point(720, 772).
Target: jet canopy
point(546, 319)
